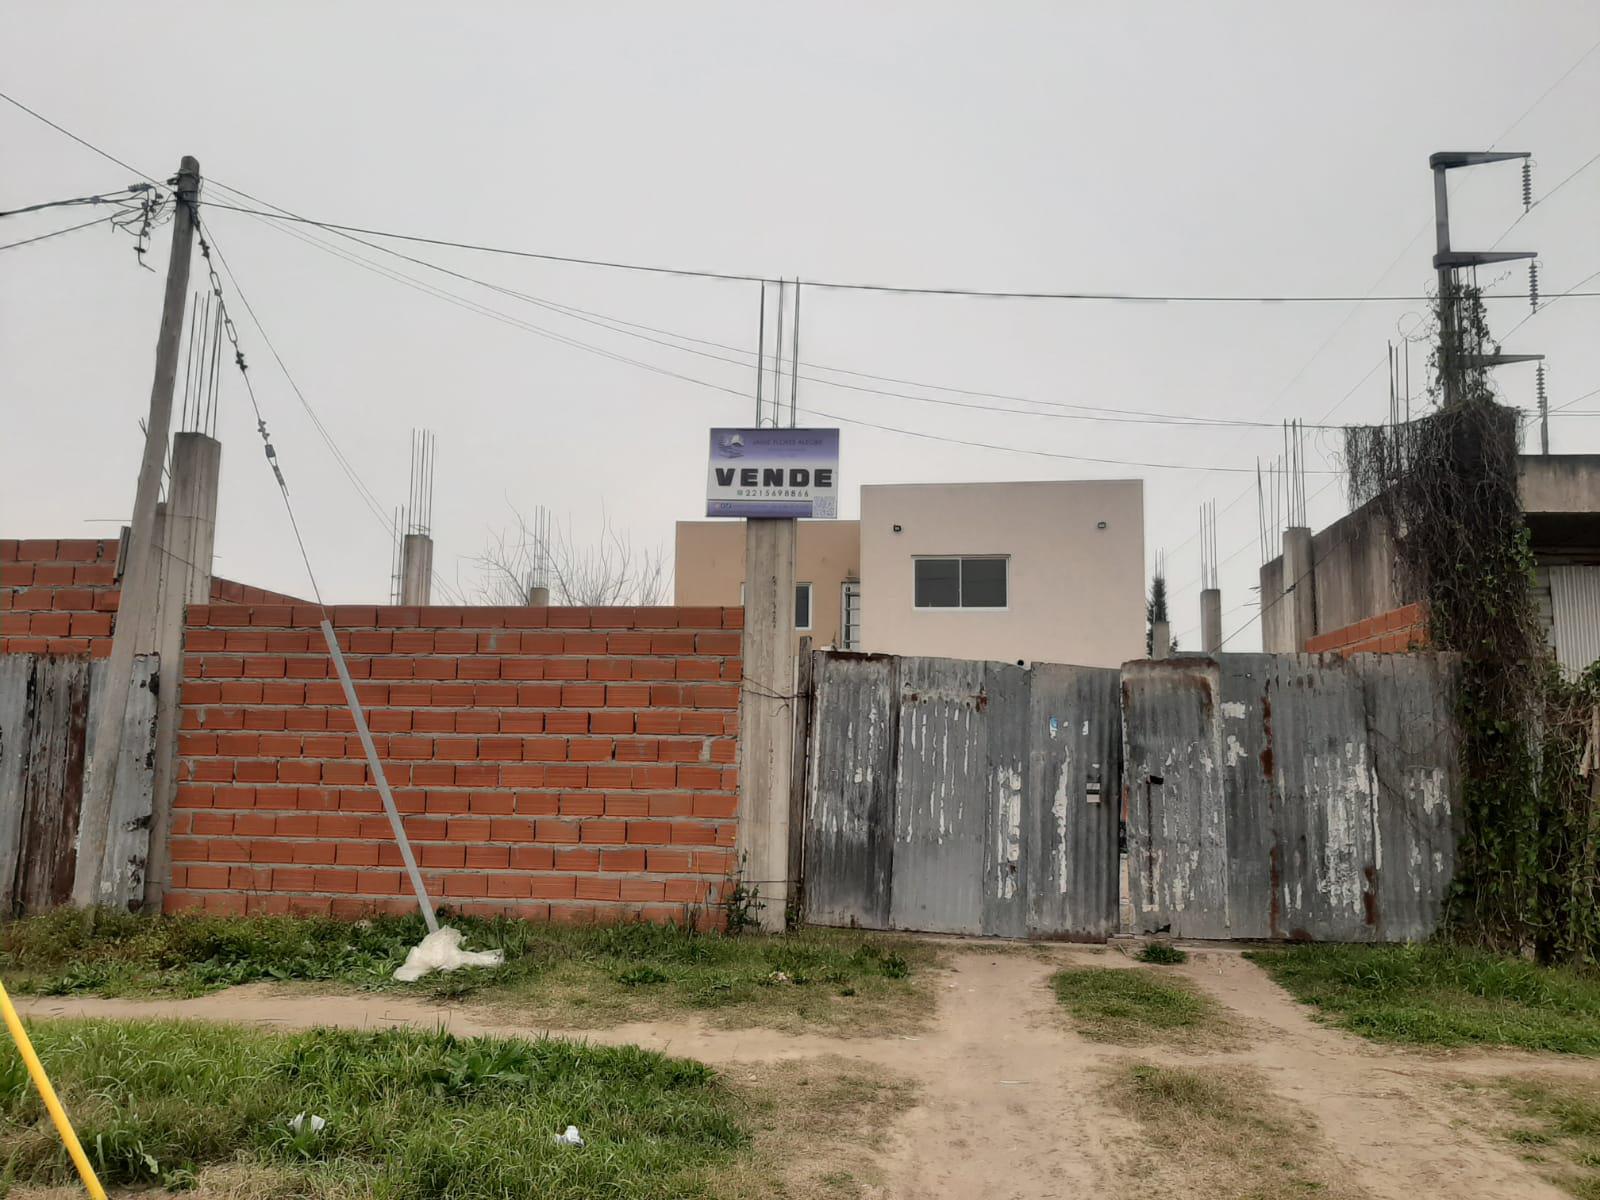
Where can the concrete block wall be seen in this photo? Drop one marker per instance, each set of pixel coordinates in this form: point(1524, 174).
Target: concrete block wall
point(566, 763)
point(60, 595)
point(1398, 630)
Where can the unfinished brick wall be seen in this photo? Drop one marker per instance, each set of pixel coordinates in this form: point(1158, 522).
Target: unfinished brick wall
point(1398, 630)
point(57, 596)
point(60, 595)
point(565, 763)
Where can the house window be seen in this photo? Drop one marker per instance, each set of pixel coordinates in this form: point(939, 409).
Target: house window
point(850, 616)
point(802, 604)
point(978, 582)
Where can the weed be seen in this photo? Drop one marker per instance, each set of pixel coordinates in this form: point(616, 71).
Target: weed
point(1162, 954)
point(742, 905)
point(1443, 995)
point(1129, 1007)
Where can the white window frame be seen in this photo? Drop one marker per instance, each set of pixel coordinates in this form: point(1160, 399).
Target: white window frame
point(849, 635)
point(916, 558)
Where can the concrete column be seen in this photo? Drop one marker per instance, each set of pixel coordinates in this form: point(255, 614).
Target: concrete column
point(1299, 586)
point(186, 536)
point(1160, 639)
point(416, 569)
point(766, 716)
point(1211, 620)
point(538, 597)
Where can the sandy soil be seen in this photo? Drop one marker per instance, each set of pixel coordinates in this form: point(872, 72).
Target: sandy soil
point(1009, 1099)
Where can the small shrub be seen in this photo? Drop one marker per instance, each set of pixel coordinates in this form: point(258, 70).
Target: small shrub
point(637, 976)
point(1162, 954)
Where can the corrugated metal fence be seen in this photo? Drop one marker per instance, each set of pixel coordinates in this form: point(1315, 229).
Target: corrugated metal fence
point(1291, 796)
point(1265, 796)
point(45, 732)
point(962, 797)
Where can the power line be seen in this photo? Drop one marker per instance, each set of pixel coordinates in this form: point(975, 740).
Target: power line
point(564, 339)
point(37, 116)
point(106, 198)
point(364, 492)
point(839, 285)
point(1071, 411)
point(1547, 303)
point(57, 233)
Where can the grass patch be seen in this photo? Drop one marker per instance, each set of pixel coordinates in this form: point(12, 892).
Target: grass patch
point(1219, 1133)
point(411, 1115)
point(1134, 1007)
point(1556, 1126)
point(1441, 995)
point(573, 976)
point(1163, 954)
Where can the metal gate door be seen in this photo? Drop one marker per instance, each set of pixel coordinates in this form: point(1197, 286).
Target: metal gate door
point(1291, 796)
point(962, 797)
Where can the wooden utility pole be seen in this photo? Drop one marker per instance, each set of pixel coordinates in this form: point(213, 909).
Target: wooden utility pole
point(141, 572)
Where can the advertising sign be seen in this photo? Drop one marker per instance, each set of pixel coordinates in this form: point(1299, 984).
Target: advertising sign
point(773, 473)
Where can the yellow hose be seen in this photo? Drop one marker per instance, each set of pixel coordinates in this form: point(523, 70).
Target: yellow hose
point(19, 1035)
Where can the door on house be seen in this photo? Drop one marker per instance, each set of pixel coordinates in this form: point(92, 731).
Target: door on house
point(962, 797)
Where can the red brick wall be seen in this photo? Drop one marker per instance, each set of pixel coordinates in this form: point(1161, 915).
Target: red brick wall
point(59, 595)
point(1397, 630)
point(570, 764)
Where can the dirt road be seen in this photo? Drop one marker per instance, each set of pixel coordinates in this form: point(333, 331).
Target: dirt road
point(1009, 1099)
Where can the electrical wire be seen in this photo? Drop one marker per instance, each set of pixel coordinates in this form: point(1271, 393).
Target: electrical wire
point(206, 244)
point(1079, 412)
point(563, 339)
point(365, 493)
point(104, 198)
point(57, 233)
point(37, 116)
point(839, 285)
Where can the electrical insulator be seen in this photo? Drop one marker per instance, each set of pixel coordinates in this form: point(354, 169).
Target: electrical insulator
point(1527, 185)
point(1533, 284)
point(1538, 384)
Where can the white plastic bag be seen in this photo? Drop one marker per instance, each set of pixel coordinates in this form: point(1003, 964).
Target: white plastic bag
point(441, 951)
point(570, 1138)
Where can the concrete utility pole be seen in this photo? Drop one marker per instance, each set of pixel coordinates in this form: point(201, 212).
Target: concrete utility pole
point(141, 575)
point(1447, 262)
point(766, 714)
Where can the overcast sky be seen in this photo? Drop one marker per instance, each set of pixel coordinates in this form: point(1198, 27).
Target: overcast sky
point(1220, 148)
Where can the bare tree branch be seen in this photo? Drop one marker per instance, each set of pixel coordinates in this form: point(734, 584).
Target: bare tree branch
point(609, 572)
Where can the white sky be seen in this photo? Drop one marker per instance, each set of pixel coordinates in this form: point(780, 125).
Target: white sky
point(1256, 148)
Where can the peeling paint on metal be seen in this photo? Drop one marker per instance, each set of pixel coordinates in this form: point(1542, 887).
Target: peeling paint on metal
point(1344, 831)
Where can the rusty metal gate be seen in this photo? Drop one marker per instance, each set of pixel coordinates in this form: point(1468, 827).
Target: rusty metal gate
point(961, 797)
point(1290, 796)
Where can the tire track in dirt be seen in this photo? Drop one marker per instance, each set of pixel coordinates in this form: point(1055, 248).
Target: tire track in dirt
point(1384, 1110)
point(1009, 1100)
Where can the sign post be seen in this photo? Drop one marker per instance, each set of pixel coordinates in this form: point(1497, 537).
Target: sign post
point(771, 477)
